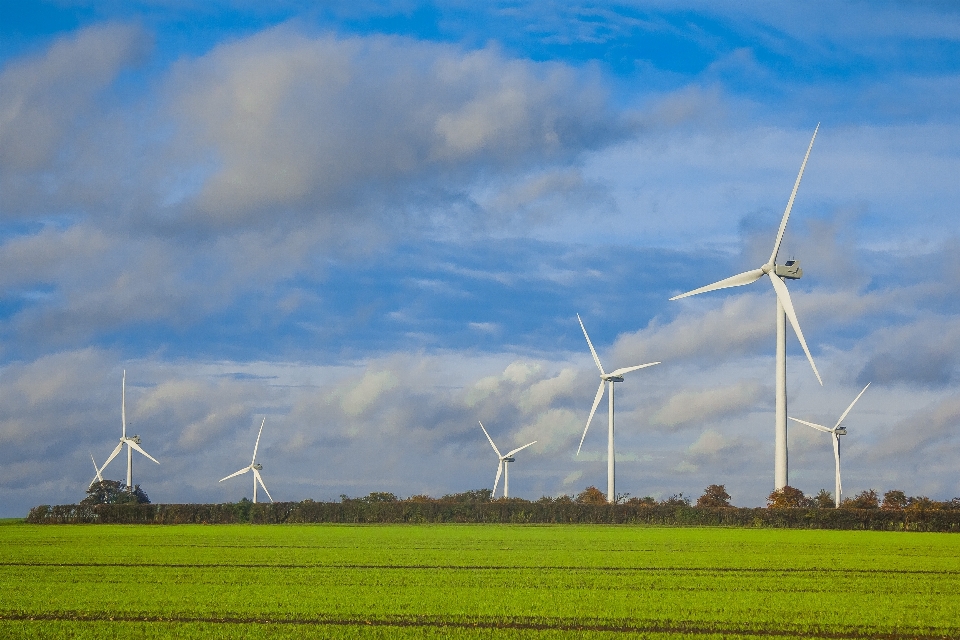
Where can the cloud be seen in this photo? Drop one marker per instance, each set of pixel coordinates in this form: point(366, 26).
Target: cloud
point(688, 408)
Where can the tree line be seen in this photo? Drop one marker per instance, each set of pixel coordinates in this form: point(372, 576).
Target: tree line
point(787, 508)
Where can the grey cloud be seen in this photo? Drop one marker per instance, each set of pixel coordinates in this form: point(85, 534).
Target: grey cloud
point(921, 352)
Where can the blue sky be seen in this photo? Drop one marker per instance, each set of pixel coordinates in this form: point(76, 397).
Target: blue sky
point(374, 224)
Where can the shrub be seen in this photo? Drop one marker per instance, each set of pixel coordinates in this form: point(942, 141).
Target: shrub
point(677, 500)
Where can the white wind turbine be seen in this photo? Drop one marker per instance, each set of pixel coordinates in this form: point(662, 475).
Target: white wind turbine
point(502, 465)
point(132, 442)
point(837, 431)
point(255, 468)
point(791, 271)
point(606, 379)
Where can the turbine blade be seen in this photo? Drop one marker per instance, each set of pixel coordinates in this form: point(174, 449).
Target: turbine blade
point(793, 195)
point(99, 477)
point(747, 277)
point(818, 427)
point(850, 407)
point(137, 447)
point(620, 372)
point(519, 449)
point(596, 358)
point(596, 403)
point(490, 439)
point(233, 475)
point(497, 481)
point(112, 455)
point(256, 474)
point(123, 403)
point(784, 295)
point(258, 441)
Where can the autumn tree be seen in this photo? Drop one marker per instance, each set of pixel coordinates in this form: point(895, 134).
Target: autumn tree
point(823, 500)
point(894, 500)
point(592, 495)
point(676, 500)
point(867, 499)
point(714, 496)
point(787, 498)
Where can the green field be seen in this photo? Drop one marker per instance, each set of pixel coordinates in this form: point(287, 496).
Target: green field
point(241, 581)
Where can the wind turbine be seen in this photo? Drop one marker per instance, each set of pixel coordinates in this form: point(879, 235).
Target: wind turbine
point(99, 477)
point(777, 273)
point(837, 431)
point(255, 468)
point(132, 442)
point(502, 465)
point(606, 379)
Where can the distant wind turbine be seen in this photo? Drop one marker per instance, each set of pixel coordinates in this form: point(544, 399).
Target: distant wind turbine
point(836, 432)
point(132, 442)
point(606, 379)
point(777, 273)
point(255, 468)
point(502, 465)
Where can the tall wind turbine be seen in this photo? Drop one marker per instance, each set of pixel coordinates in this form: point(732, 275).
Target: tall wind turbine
point(777, 273)
point(255, 468)
point(837, 431)
point(606, 379)
point(502, 465)
point(131, 442)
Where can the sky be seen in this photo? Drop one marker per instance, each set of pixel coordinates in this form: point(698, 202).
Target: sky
point(372, 225)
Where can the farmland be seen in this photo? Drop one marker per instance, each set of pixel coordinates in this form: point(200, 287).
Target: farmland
point(474, 581)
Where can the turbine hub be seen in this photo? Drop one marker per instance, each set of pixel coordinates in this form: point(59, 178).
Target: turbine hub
point(790, 271)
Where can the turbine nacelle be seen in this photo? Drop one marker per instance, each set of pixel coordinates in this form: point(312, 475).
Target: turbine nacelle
point(509, 459)
point(840, 431)
point(258, 467)
point(789, 271)
point(611, 378)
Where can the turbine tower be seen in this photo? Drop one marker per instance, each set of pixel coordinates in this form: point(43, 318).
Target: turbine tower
point(255, 468)
point(502, 465)
point(777, 274)
point(132, 442)
point(837, 431)
point(606, 379)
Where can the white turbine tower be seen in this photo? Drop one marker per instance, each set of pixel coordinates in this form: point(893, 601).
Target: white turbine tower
point(776, 273)
point(606, 379)
point(132, 442)
point(502, 465)
point(255, 468)
point(837, 431)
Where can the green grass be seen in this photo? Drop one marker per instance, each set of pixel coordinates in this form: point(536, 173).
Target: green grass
point(473, 581)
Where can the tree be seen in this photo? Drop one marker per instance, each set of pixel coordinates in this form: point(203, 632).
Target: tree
point(469, 497)
point(380, 496)
point(823, 500)
point(895, 500)
point(714, 496)
point(592, 495)
point(677, 500)
point(868, 499)
point(787, 498)
point(647, 501)
point(114, 492)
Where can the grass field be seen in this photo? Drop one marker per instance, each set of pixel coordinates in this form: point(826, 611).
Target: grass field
point(471, 581)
